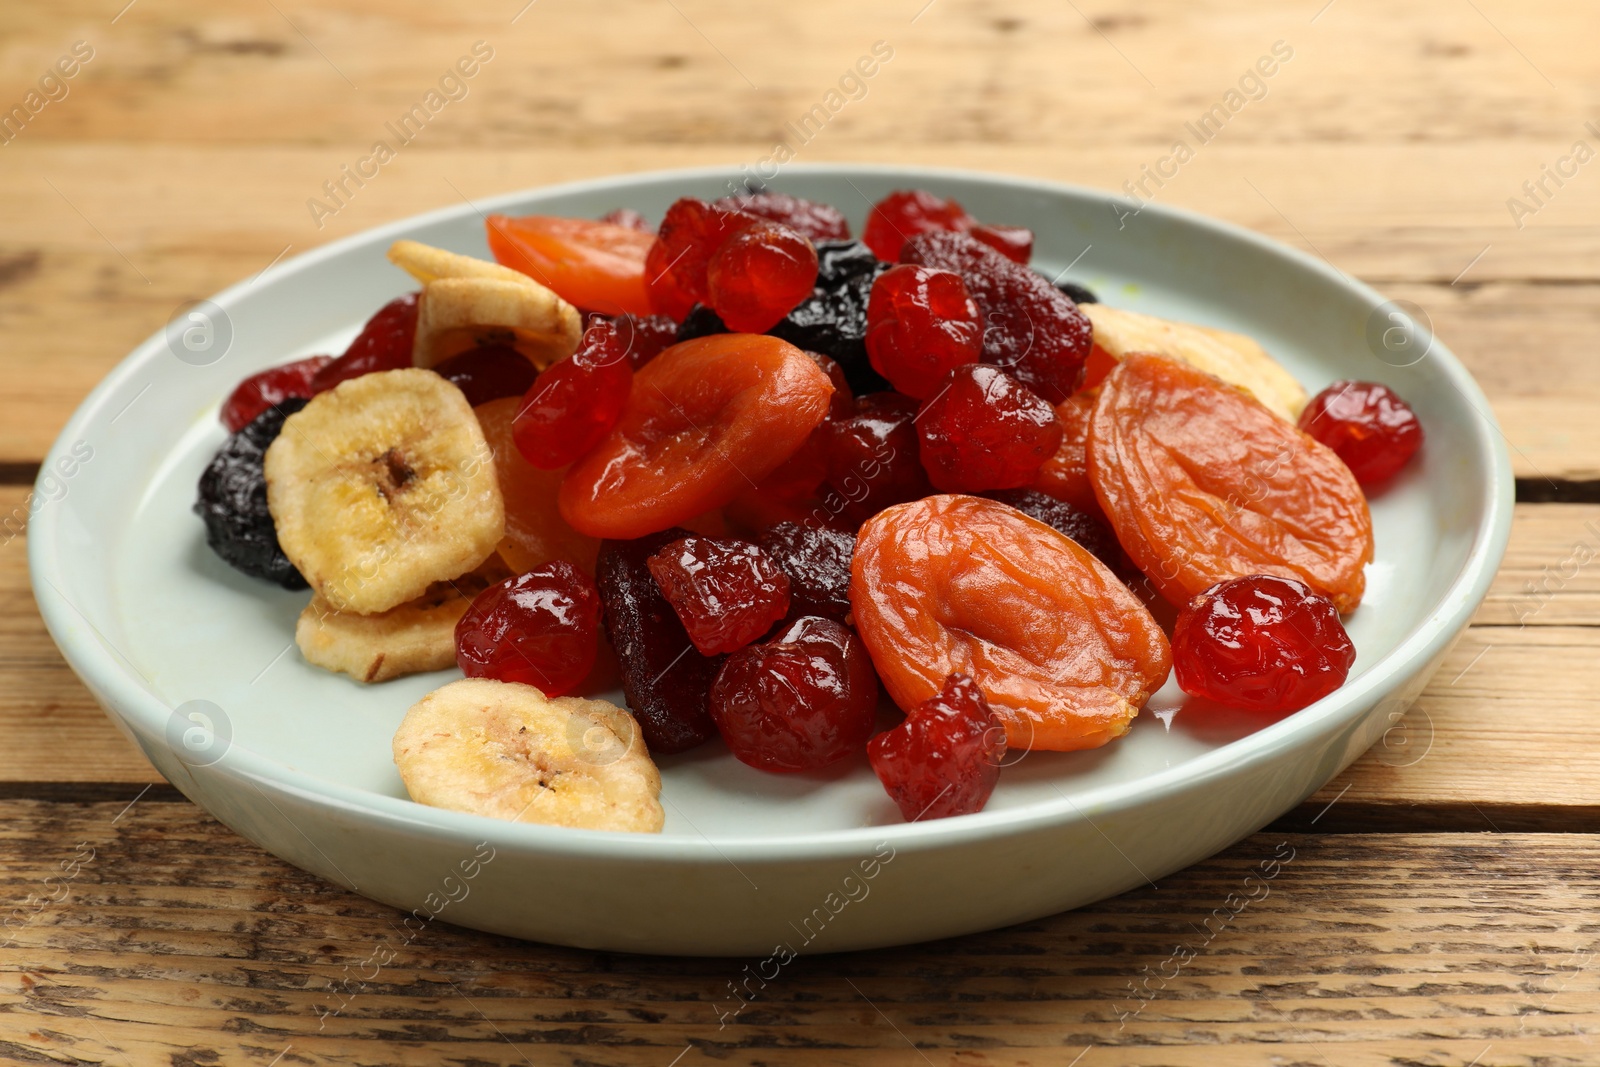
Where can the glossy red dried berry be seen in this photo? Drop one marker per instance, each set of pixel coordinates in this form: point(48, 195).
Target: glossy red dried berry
point(984, 431)
point(576, 402)
point(540, 628)
point(268, 389)
point(945, 758)
point(1032, 330)
point(667, 683)
point(488, 372)
point(675, 267)
point(384, 343)
point(921, 325)
point(759, 275)
point(817, 561)
point(1015, 242)
point(726, 592)
point(820, 222)
point(801, 701)
point(1367, 425)
point(1261, 643)
point(905, 213)
point(872, 456)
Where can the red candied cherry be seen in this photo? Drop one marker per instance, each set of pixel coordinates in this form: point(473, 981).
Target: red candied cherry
point(726, 592)
point(945, 758)
point(801, 701)
point(759, 275)
point(1261, 643)
point(820, 222)
point(985, 431)
point(872, 455)
point(675, 267)
point(905, 213)
point(921, 325)
point(384, 343)
point(576, 402)
point(626, 216)
point(540, 628)
point(1367, 425)
point(488, 372)
point(270, 388)
point(644, 337)
point(1016, 242)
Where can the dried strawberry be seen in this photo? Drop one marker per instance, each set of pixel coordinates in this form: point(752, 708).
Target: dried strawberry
point(384, 343)
point(945, 758)
point(726, 592)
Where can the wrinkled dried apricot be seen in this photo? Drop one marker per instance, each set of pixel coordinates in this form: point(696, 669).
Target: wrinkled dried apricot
point(948, 585)
point(596, 266)
point(1203, 483)
point(1065, 475)
point(705, 420)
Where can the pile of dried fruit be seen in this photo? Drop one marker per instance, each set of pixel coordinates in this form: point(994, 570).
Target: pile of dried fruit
point(761, 471)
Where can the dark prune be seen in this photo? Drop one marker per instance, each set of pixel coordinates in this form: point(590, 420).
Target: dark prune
point(666, 680)
point(488, 372)
point(700, 322)
point(1080, 294)
point(1032, 330)
point(233, 501)
point(817, 561)
point(1091, 531)
point(833, 319)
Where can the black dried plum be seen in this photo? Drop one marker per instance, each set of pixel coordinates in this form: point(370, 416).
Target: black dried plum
point(833, 319)
point(700, 322)
point(1092, 532)
point(666, 680)
point(233, 501)
point(817, 561)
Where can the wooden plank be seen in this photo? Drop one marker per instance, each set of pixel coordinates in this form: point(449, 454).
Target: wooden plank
point(1502, 712)
point(160, 932)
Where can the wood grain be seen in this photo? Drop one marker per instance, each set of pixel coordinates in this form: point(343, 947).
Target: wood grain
point(166, 933)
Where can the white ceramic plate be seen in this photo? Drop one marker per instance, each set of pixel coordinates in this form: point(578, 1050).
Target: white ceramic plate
point(196, 663)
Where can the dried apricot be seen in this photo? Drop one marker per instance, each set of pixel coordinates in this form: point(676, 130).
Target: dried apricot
point(535, 531)
point(1204, 483)
point(1063, 652)
point(596, 266)
point(1065, 475)
point(706, 420)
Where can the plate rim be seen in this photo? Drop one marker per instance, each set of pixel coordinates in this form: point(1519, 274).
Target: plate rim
point(125, 698)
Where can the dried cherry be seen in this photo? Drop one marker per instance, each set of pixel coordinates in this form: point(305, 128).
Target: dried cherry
point(1063, 652)
point(799, 702)
point(269, 388)
point(1203, 483)
point(1261, 643)
point(945, 758)
point(575, 402)
point(833, 319)
point(706, 420)
point(675, 267)
point(872, 456)
point(984, 431)
point(905, 213)
point(540, 628)
point(1367, 425)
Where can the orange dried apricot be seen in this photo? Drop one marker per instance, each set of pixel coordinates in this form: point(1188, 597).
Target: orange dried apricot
point(707, 419)
point(1065, 475)
point(1203, 483)
point(596, 266)
point(1063, 652)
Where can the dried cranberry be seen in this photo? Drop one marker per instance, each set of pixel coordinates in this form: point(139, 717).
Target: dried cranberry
point(921, 325)
point(384, 343)
point(576, 402)
point(759, 275)
point(817, 561)
point(626, 216)
point(1089, 529)
point(1015, 242)
point(726, 592)
point(270, 388)
point(985, 431)
point(804, 700)
point(872, 455)
point(945, 758)
point(666, 681)
point(675, 267)
point(644, 337)
point(1031, 329)
point(1367, 425)
point(489, 372)
point(820, 222)
point(1261, 643)
point(905, 213)
point(540, 628)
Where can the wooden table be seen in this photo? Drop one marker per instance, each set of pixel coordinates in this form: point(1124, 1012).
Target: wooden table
point(1441, 905)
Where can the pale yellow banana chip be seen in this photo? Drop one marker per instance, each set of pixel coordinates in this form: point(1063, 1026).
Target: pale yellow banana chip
point(509, 752)
point(427, 264)
point(1232, 357)
point(383, 486)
